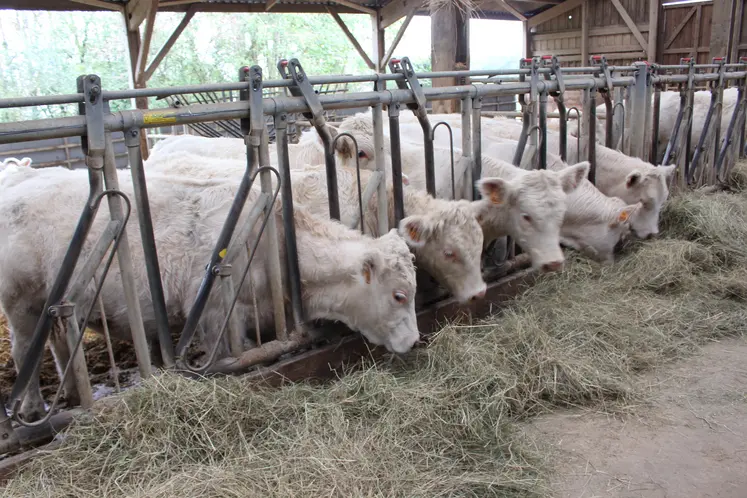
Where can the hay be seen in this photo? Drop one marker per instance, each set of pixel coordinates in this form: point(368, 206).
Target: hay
point(440, 422)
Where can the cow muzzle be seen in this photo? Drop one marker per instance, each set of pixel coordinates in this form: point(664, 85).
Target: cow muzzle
point(553, 266)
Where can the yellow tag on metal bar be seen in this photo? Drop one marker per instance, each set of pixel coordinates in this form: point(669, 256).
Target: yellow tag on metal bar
point(158, 119)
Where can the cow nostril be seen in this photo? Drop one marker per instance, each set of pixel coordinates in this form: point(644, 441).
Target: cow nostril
point(650, 236)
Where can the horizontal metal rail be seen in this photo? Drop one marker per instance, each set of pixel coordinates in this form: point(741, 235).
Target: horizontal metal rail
point(23, 131)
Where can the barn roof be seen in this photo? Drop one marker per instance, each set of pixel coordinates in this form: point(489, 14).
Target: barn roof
point(389, 9)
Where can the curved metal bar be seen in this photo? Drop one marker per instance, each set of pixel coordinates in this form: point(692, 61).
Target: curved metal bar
point(705, 133)
point(451, 148)
point(211, 357)
point(622, 125)
point(578, 130)
point(107, 266)
point(536, 150)
point(357, 171)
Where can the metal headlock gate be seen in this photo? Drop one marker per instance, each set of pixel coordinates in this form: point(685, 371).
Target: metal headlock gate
point(627, 92)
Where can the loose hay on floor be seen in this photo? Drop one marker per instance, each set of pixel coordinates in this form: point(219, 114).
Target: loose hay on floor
point(439, 422)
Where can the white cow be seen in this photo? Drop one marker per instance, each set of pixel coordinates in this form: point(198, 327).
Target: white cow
point(532, 212)
point(593, 223)
point(309, 149)
point(8, 161)
point(444, 235)
point(617, 175)
point(368, 284)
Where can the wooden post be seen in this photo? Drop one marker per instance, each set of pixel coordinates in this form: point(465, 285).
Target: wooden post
point(378, 43)
point(585, 23)
point(449, 50)
point(721, 28)
point(653, 29)
point(527, 42)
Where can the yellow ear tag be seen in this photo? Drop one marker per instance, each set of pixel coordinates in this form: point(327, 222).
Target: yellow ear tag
point(623, 216)
point(495, 198)
point(222, 254)
point(414, 234)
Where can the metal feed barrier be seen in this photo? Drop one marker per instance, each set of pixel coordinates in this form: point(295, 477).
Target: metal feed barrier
point(627, 92)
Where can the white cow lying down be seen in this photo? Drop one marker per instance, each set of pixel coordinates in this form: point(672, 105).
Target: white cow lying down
point(368, 284)
point(444, 235)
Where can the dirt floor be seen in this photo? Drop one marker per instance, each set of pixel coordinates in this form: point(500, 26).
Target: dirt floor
point(97, 359)
point(688, 440)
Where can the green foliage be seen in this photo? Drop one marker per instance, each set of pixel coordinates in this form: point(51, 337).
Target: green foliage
point(43, 53)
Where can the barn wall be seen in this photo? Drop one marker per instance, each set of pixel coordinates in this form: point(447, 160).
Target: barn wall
point(683, 31)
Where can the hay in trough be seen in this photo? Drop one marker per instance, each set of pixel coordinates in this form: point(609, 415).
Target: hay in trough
point(440, 421)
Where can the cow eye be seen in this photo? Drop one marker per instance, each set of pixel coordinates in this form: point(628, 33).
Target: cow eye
point(526, 217)
point(362, 154)
point(449, 254)
point(400, 297)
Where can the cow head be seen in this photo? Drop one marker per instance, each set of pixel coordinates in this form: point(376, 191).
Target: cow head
point(650, 187)
point(530, 208)
point(361, 127)
point(447, 242)
point(380, 304)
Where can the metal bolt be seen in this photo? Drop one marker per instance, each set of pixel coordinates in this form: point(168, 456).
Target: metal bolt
point(92, 78)
point(133, 133)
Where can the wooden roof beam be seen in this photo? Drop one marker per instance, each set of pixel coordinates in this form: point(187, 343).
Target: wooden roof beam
point(356, 6)
point(553, 12)
point(398, 37)
point(352, 39)
point(513, 10)
point(100, 4)
point(142, 56)
point(396, 10)
point(169, 43)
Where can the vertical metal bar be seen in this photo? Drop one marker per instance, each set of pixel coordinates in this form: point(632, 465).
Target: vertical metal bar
point(638, 111)
point(675, 130)
point(132, 141)
point(397, 191)
point(430, 173)
point(289, 224)
point(592, 154)
point(519, 152)
point(80, 369)
point(381, 194)
point(736, 118)
point(654, 155)
point(609, 138)
point(8, 437)
point(562, 116)
point(259, 128)
point(693, 166)
point(712, 176)
point(476, 144)
point(124, 257)
point(543, 130)
point(618, 116)
point(467, 148)
point(585, 134)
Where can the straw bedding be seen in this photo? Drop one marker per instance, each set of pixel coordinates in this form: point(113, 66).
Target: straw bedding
point(439, 422)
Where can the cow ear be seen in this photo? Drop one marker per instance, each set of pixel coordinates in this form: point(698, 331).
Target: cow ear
point(25, 162)
point(415, 230)
point(572, 176)
point(667, 171)
point(497, 190)
point(623, 214)
point(634, 178)
point(370, 267)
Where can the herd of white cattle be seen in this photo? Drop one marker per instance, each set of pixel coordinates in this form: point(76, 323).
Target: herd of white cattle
point(366, 281)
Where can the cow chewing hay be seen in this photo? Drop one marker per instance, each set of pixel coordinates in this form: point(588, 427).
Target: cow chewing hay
point(441, 421)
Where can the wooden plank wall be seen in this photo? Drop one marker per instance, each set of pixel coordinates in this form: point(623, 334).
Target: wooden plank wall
point(608, 33)
point(684, 31)
point(740, 49)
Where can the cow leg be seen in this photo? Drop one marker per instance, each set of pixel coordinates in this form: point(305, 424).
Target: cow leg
point(22, 324)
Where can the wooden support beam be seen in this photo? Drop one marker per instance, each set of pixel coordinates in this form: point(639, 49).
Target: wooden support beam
point(356, 6)
point(736, 38)
point(352, 39)
point(100, 4)
point(585, 25)
point(270, 5)
point(721, 28)
point(379, 43)
point(553, 12)
point(169, 43)
point(449, 50)
point(510, 8)
point(526, 43)
point(142, 56)
point(679, 27)
point(653, 29)
point(696, 37)
point(629, 22)
point(396, 10)
point(136, 11)
point(174, 3)
point(383, 62)
point(133, 49)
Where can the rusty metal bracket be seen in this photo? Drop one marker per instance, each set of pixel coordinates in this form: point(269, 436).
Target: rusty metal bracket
point(404, 66)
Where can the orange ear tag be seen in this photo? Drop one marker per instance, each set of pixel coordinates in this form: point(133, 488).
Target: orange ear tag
point(495, 198)
point(623, 216)
point(414, 234)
